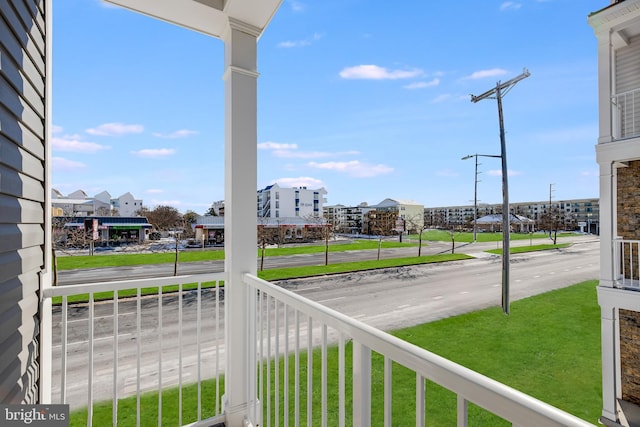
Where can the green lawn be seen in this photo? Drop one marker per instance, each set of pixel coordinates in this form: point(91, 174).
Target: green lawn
point(549, 347)
point(120, 260)
point(445, 236)
point(319, 270)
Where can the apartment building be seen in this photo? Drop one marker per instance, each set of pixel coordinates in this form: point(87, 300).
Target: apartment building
point(346, 219)
point(617, 30)
point(575, 214)
point(276, 202)
point(79, 203)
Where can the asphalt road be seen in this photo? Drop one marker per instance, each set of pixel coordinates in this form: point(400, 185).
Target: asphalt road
point(71, 277)
point(387, 299)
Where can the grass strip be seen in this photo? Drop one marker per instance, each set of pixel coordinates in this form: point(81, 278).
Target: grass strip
point(445, 236)
point(279, 274)
point(534, 248)
point(102, 411)
point(549, 347)
point(123, 259)
point(320, 270)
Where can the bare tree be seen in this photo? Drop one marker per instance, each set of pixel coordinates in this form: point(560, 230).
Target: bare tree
point(381, 223)
point(452, 234)
point(189, 218)
point(551, 221)
point(162, 217)
point(418, 225)
point(326, 231)
point(266, 236)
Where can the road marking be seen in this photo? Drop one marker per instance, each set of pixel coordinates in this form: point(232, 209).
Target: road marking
point(400, 307)
point(463, 292)
point(552, 272)
point(308, 289)
point(536, 277)
point(107, 316)
point(330, 299)
point(95, 339)
point(438, 297)
point(495, 286)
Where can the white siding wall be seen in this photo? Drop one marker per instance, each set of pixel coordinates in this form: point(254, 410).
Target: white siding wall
point(22, 194)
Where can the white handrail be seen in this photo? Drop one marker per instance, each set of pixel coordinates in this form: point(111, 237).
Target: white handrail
point(495, 397)
point(624, 111)
point(153, 282)
point(626, 263)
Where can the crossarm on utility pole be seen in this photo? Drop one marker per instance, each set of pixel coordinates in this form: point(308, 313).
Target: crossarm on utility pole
point(500, 86)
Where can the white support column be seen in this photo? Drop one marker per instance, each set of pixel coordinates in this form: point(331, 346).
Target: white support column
point(607, 222)
point(609, 357)
point(46, 274)
point(240, 78)
point(605, 86)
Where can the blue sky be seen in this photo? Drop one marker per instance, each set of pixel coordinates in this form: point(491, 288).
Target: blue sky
point(363, 98)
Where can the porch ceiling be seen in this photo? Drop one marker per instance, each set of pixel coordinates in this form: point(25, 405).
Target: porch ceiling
point(206, 16)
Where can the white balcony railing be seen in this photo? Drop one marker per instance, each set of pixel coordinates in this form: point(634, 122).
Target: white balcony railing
point(289, 327)
point(626, 263)
point(626, 114)
point(167, 349)
point(169, 342)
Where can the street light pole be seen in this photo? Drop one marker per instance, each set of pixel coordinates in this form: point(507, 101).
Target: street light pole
point(475, 193)
point(497, 94)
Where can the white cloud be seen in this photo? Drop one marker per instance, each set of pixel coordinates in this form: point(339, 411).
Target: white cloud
point(289, 151)
point(268, 145)
point(510, 5)
point(300, 43)
point(154, 191)
point(311, 154)
point(421, 85)
point(182, 133)
point(301, 181)
point(498, 172)
point(441, 98)
point(172, 203)
point(71, 143)
point(60, 164)
point(297, 6)
point(154, 153)
point(482, 74)
point(56, 129)
point(354, 168)
point(449, 173)
point(115, 129)
point(374, 72)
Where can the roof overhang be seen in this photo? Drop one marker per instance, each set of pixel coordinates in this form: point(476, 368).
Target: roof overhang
point(210, 17)
point(621, 19)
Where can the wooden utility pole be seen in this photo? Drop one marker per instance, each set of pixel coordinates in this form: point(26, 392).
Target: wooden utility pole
point(497, 93)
